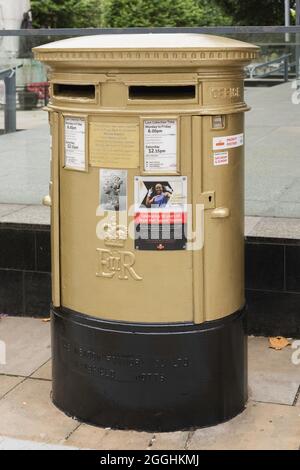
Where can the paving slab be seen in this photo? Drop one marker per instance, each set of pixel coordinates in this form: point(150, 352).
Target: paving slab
point(273, 378)
point(23, 186)
point(25, 169)
point(272, 169)
point(7, 443)
point(170, 440)
point(89, 437)
point(258, 191)
point(256, 133)
point(28, 119)
point(275, 227)
point(30, 214)
point(261, 426)
point(44, 372)
point(250, 224)
point(292, 191)
point(285, 209)
point(27, 345)
point(108, 439)
point(7, 383)
point(6, 209)
point(261, 208)
point(126, 440)
point(28, 413)
point(272, 106)
point(277, 152)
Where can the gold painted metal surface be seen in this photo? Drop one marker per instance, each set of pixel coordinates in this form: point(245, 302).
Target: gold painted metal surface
point(114, 144)
point(62, 138)
point(109, 278)
point(224, 237)
point(55, 208)
point(151, 299)
point(198, 198)
point(220, 213)
point(148, 50)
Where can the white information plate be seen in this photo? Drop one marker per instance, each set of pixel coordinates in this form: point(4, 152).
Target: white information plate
point(75, 143)
point(160, 145)
point(220, 158)
point(228, 141)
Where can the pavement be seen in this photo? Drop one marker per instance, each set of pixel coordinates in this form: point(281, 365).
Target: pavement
point(29, 420)
point(25, 167)
point(25, 214)
point(272, 170)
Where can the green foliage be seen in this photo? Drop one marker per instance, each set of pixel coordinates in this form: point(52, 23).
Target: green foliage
point(127, 13)
point(159, 13)
point(66, 13)
point(156, 13)
point(255, 12)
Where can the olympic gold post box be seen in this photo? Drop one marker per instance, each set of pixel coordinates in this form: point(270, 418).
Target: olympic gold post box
point(147, 228)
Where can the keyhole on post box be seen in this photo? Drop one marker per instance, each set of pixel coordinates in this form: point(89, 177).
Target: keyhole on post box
point(209, 198)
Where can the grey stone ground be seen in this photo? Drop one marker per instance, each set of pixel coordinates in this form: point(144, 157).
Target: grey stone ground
point(29, 420)
point(272, 173)
point(272, 155)
point(24, 214)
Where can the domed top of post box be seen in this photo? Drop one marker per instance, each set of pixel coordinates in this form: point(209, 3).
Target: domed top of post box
point(146, 50)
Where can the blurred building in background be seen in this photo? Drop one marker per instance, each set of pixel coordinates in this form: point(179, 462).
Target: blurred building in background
point(11, 17)
point(15, 52)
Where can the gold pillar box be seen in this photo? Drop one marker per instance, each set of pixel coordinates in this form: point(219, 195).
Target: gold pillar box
point(147, 228)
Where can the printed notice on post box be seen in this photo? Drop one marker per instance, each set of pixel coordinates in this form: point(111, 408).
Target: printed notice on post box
point(160, 212)
point(160, 145)
point(114, 144)
point(75, 143)
point(220, 158)
point(228, 141)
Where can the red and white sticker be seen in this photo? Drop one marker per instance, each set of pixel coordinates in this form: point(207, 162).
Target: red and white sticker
point(220, 158)
point(228, 141)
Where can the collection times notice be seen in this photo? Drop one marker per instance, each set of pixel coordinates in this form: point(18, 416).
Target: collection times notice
point(160, 145)
point(75, 143)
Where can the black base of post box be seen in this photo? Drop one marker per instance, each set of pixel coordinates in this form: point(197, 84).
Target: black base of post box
point(149, 377)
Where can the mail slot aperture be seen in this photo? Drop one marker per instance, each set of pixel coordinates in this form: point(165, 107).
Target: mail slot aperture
point(162, 92)
point(74, 91)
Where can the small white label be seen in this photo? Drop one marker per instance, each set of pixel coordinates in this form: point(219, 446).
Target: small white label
point(75, 143)
point(160, 145)
point(220, 158)
point(228, 141)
